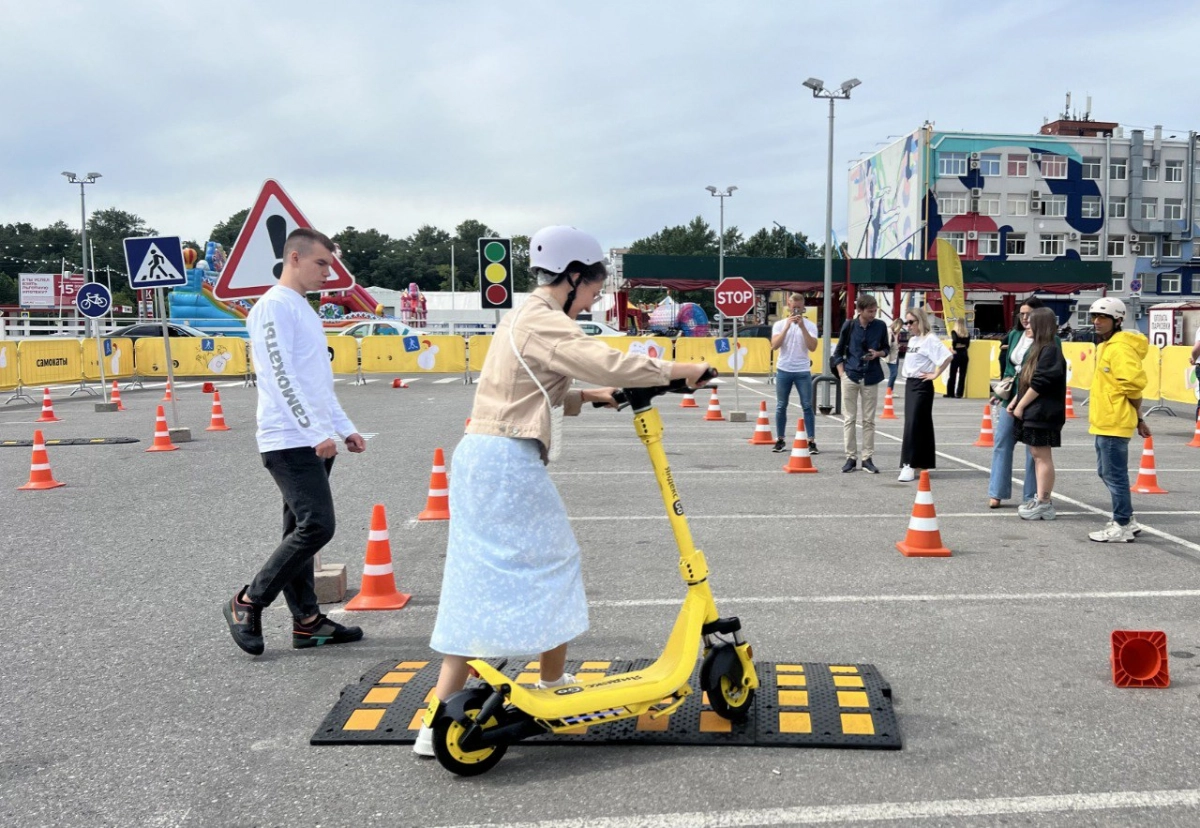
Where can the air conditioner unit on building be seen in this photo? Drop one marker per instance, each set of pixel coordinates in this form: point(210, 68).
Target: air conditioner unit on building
point(972, 235)
point(1135, 248)
point(1155, 262)
point(1072, 236)
point(974, 165)
point(1133, 238)
point(974, 156)
point(1035, 194)
point(976, 192)
point(1037, 156)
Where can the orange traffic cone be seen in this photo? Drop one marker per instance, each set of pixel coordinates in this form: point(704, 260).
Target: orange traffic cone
point(714, 408)
point(1070, 405)
point(116, 396)
point(437, 506)
point(162, 436)
point(40, 476)
point(762, 428)
point(688, 401)
point(47, 409)
point(1139, 658)
point(207, 388)
point(399, 383)
point(1147, 479)
point(378, 590)
point(800, 462)
point(889, 411)
point(1196, 437)
point(167, 394)
point(923, 539)
point(218, 415)
point(985, 430)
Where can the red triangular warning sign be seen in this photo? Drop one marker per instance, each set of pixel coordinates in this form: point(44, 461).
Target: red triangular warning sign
point(256, 260)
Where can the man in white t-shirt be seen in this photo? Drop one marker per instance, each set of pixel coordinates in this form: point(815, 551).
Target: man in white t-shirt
point(299, 421)
point(795, 338)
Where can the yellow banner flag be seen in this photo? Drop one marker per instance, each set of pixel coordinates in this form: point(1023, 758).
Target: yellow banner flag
point(950, 278)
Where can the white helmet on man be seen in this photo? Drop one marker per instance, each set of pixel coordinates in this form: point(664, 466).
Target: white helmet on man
point(1109, 306)
point(554, 248)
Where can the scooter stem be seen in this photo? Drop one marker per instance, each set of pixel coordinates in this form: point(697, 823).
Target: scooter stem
point(649, 428)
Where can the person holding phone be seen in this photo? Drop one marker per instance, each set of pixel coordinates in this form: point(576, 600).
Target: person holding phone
point(795, 338)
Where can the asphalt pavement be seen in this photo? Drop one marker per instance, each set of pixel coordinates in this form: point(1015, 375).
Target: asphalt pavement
point(127, 704)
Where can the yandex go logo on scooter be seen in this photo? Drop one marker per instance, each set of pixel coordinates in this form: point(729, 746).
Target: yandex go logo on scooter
point(734, 296)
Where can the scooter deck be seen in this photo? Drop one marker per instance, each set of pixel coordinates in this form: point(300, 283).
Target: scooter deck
point(799, 704)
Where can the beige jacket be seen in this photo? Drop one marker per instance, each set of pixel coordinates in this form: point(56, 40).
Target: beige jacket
point(508, 402)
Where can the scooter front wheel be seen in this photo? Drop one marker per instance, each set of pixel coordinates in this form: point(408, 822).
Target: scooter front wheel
point(721, 679)
point(447, 733)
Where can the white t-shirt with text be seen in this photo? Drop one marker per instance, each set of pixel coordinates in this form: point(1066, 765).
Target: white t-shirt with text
point(925, 354)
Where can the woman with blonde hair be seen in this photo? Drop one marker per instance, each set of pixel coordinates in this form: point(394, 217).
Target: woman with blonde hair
point(925, 361)
point(960, 346)
point(1039, 408)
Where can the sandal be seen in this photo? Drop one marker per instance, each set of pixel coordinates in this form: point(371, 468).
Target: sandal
point(993, 503)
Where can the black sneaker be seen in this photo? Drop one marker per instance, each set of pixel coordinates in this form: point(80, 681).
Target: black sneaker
point(851, 465)
point(245, 623)
point(869, 466)
point(323, 631)
point(813, 450)
point(780, 446)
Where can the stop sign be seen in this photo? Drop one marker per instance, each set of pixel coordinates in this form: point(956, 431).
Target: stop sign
point(734, 296)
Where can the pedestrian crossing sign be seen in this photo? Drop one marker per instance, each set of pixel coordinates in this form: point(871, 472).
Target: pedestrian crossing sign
point(154, 262)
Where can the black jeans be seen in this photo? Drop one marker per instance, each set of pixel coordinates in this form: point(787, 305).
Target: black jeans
point(308, 524)
point(956, 381)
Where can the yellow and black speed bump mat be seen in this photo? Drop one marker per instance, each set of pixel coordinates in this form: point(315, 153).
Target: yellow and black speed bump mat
point(799, 704)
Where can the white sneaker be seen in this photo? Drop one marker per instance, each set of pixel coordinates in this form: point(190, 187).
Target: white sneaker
point(423, 747)
point(1037, 510)
point(907, 475)
point(565, 678)
point(1134, 526)
point(1113, 532)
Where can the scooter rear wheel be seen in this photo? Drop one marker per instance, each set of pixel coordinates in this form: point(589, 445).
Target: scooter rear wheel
point(447, 733)
point(721, 679)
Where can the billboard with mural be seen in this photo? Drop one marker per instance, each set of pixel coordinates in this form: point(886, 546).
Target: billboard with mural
point(886, 199)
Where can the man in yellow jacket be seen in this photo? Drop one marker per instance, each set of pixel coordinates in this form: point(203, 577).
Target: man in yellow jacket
point(1115, 411)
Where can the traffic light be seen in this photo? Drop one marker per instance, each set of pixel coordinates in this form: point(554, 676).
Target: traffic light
point(495, 273)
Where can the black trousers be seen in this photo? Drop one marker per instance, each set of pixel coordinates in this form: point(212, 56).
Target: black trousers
point(918, 449)
point(956, 378)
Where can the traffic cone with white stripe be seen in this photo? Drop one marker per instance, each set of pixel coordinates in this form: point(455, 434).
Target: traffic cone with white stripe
point(1147, 479)
point(985, 430)
point(168, 394)
point(162, 435)
point(714, 408)
point(889, 410)
point(40, 476)
point(47, 409)
point(1196, 437)
point(923, 539)
point(800, 461)
point(688, 401)
point(378, 590)
point(762, 428)
point(1070, 405)
point(217, 423)
point(116, 396)
point(437, 505)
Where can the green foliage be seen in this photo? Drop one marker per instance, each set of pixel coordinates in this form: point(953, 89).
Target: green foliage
point(9, 293)
point(107, 231)
point(225, 233)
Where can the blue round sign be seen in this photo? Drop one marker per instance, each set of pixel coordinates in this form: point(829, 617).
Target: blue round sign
point(93, 300)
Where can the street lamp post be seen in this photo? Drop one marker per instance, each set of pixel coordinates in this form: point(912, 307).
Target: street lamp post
point(737, 415)
point(827, 377)
point(90, 178)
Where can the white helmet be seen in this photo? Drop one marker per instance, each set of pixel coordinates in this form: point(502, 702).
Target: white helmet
point(1109, 307)
point(554, 248)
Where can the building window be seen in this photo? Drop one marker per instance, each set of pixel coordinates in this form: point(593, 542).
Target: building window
point(1173, 209)
point(1149, 173)
point(952, 204)
point(989, 244)
point(1089, 245)
point(1018, 166)
point(1054, 206)
point(1091, 169)
point(1148, 246)
point(1173, 171)
point(1171, 249)
point(1116, 246)
point(1052, 244)
point(989, 204)
point(1168, 283)
point(1014, 245)
point(1054, 166)
point(952, 163)
point(989, 163)
point(958, 240)
point(1018, 204)
point(1117, 207)
point(1150, 208)
point(1090, 207)
point(1118, 169)
point(1118, 284)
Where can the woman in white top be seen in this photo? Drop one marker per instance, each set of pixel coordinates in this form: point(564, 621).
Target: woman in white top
point(925, 361)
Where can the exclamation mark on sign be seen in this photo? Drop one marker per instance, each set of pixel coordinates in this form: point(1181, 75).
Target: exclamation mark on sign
point(277, 230)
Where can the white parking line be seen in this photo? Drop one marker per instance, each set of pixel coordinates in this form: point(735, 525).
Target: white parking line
point(447, 380)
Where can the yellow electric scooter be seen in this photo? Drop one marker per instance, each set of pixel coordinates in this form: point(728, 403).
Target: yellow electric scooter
point(473, 728)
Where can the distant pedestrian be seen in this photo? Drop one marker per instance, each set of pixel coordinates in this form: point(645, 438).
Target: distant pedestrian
point(857, 359)
point(894, 355)
point(795, 338)
point(1039, 407)
point(1196, 364)
point(927, 358)
point(960, 346)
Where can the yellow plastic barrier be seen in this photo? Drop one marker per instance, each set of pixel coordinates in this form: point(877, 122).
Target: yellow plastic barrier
point(192, 356)
point(654, 346)
point(1081, 357)
point(1178, 376)
point(343, 354)
point(48, 360)
point(479, 344)
point(755, 354)
point(9, 370)
point(1151, 364)
point(118, 361)
point(440, 354)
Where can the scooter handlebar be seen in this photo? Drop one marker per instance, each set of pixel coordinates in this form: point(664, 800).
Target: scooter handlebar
point(640, 397)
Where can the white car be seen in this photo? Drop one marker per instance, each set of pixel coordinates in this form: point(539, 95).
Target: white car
point(380, 329)
point(593, 328)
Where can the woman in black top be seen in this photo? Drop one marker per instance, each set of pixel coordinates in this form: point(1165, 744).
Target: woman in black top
point(960, 344)
point(1039, 408)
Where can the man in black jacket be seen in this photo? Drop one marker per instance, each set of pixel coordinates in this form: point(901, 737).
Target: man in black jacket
point(862, 344)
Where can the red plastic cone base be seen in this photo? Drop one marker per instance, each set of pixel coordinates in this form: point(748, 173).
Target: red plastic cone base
point(395, 601)
point(910, 551)
point(434, 514)
point(1139, 658)
point(47, 484)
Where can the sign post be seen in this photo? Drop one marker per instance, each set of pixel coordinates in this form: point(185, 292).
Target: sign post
point(93, 300)
point(734, 297)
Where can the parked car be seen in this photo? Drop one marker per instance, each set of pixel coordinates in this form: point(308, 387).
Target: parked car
point(593, 328)
point(754, 330)
point(358, 331)
point(144, 329)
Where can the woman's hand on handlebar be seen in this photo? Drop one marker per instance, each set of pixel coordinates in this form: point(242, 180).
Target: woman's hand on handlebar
point(692, 372)
point(600, 397)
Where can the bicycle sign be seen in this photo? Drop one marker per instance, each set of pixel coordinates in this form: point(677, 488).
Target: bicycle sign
point(93, 300)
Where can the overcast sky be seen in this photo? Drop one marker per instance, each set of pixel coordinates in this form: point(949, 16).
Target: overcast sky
point(611, 116)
